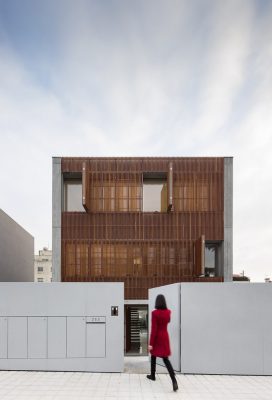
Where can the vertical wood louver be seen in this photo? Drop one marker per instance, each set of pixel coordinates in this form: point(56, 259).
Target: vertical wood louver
point(170, 187)
point(199, 256)
point(85, 185)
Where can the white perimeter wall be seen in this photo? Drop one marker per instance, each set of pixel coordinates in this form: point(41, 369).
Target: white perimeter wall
point(225, 328)
point(61, 327)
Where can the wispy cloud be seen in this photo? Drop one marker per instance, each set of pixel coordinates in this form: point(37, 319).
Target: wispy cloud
point(138, 78)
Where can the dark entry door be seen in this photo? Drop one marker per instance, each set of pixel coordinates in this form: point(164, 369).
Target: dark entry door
point(136, 329)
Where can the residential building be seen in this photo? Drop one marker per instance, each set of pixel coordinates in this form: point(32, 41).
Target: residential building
point(16, 251)
point(43, 265)
point(145, 221)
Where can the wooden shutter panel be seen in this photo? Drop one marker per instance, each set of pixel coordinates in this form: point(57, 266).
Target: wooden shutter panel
point(85, 186)
point(199, 259)
point(170, 187)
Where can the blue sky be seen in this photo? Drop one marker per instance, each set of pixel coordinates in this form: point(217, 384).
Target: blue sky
point(132, 78)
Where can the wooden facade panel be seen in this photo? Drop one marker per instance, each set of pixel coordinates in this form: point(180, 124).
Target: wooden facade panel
point(147, 226)
point(145, 164)
point(129, 261)
point(115, 241)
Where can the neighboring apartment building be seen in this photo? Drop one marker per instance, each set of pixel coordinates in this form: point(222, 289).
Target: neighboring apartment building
point(43, 265)
point(145, 221)
point(16, 251)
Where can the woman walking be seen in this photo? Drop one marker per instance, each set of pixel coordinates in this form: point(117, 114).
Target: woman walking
point(159, 344)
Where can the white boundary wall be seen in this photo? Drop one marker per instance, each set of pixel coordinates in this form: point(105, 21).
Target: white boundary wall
point(61, 327)
point(225, 328)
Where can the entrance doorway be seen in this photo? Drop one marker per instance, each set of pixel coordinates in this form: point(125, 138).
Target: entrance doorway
point(136, 330)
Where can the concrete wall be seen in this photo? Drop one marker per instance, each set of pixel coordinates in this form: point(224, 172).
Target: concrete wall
point(228, 220)
point(61, 326)
point(172, 296)
point(57, 187)
point(16, 251)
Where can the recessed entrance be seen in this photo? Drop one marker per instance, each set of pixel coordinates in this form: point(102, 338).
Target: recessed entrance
point(136, 330)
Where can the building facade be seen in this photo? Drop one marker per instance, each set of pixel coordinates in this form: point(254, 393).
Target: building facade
point(43, 265)
point(16, 251)
point(146, 222)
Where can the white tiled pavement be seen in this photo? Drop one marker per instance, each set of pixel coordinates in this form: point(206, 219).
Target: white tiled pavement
point(22, 385)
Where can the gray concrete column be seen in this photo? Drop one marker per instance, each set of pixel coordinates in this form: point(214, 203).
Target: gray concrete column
point(56, 219)
point(228, 219)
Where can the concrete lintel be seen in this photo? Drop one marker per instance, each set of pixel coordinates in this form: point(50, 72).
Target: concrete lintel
point(136, 302)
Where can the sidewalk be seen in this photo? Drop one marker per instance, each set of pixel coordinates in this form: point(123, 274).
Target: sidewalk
point(22, 385)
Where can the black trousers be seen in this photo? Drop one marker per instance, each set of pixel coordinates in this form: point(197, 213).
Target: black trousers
point(166, 363)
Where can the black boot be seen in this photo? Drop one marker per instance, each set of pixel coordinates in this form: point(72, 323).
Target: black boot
point(171, 373)
point(175, 384)
point(153, 369)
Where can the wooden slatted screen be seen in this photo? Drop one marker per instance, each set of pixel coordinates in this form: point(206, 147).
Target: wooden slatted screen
point(115, 241)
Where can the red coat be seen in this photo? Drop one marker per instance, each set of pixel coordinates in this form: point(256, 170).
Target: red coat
point(159, 338)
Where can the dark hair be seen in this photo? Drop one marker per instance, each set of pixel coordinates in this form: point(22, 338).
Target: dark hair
point(160, 303)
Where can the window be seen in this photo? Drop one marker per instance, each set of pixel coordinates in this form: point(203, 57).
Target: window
point(151, 260)
point(211, 259)
point(191, 194)
point(123, 195)
point(155, 192)
point(73, 195)
point(40, 279)
point(96, 259)
point(76, 260)
point(40, 269)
